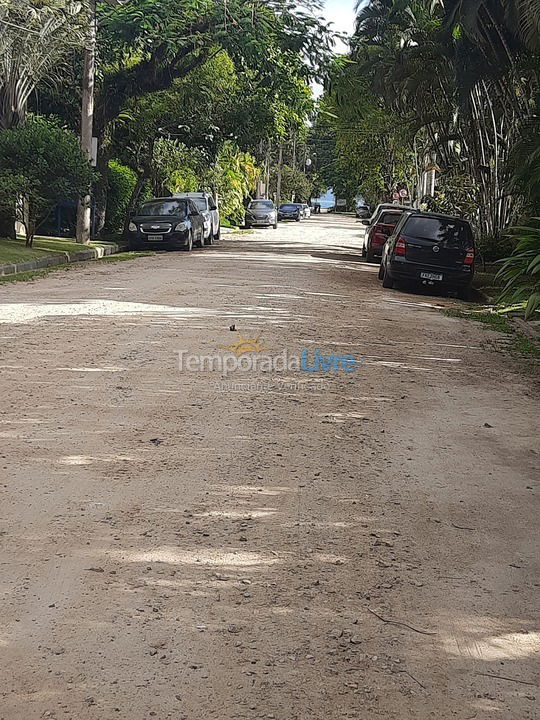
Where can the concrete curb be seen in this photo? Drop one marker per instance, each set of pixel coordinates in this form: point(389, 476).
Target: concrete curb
point(93, 253)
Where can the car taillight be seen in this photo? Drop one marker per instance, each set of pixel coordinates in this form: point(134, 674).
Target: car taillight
point(401, 246)
point(469, 257)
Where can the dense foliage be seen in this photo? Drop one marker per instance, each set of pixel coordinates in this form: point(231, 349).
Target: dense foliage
point(443, 90)
point(40, 164)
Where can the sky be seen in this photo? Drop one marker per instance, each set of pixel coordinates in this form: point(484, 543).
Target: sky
point(342, 14)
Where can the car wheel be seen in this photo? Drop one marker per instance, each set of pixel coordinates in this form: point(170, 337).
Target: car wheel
point(370, 257)
point(247, 226)
point(297, 219)
point(275, 226)
point(210, 239)
point(363, 251)
point(217, 236)
point(188, 247)
point(199, 243)
point(464, 293)
point(381, 272)
point(387, 281)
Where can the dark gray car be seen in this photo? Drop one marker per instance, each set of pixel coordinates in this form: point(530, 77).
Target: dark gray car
point(261, 213)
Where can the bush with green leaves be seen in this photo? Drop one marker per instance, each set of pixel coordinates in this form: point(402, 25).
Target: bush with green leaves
point(40, 165)
point(121, 183)
point(521, 271)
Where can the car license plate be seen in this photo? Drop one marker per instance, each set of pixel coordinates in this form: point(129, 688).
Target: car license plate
point(155, 238)
point(431, 276)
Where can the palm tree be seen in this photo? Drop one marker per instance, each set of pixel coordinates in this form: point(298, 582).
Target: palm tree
point(35, 35)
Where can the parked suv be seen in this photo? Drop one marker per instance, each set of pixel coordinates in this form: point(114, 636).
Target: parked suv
point(377, 235)
point(261, 213)
point(431, 249)
point(209, 210)
point(166, 223)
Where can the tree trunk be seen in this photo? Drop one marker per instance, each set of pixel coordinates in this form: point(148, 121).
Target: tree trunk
point(101, 185)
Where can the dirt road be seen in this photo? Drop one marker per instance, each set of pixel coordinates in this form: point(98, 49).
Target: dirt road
point(292, 545)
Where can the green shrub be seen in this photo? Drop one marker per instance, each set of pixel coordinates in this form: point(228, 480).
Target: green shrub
point(40, 164)
point(121, 183)
point(521, 271)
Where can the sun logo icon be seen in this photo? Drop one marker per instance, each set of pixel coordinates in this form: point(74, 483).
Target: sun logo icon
point(245, 345)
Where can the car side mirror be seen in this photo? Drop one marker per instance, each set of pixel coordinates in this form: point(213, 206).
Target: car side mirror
point(366, 223)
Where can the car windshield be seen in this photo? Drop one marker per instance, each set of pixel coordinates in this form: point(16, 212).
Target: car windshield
point(261, 205)
point(288, 207)
point(176, 208)
point(201, 203)
point(446, 231)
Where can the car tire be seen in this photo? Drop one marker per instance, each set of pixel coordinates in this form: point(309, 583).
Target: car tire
point(210, 239)
point(387, 281)
point(297, 219)
point(381, 272)
point(464, 293)
point(247, 226)
point(217, 236)
point(275, 226)
point(364, 251)
point(199, 243)
point(370, 257)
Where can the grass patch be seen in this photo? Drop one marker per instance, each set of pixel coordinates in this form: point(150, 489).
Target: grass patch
point(242, 232)
point(15, 251)
point(31, 275)
point(519, 344)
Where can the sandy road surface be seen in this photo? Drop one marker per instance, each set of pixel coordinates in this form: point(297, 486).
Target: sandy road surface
point(176, 547)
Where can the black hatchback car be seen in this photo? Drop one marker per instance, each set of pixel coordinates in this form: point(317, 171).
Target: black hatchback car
point(430, 249)
point(290, 211)
point(166, 223)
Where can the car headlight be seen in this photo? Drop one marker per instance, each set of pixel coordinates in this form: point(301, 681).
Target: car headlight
point(181, 227)
point(132, 227)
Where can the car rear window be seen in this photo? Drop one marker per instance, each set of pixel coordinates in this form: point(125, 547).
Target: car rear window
point(289, 207)
point(451, 233)
point(389, 218)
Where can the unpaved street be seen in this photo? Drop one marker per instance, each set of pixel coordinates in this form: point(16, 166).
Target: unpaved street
point(288, 545)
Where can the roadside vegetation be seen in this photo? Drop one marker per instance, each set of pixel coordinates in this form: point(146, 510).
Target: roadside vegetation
point(189, 96)
point(440, 99)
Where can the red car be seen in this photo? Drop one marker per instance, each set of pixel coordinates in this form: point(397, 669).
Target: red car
point(379, 231)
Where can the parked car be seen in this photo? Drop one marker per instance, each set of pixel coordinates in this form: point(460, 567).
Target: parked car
point(384, 206)
point(362, 211)
point(432, 249)
point(290, 211)
point(377, 235)
point(166, 223)
point(208, 208)
point(306, 210)
point(261, 213)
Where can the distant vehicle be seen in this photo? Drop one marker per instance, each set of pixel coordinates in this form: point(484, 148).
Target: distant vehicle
point(362, 211)
point(307, 210)
point(209, 210)
point(166, 223)
point(378, 233)
point(431, 249)
point(290, 211)
point(261, 213)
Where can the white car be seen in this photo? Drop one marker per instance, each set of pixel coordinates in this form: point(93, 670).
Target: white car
point(207, 207)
